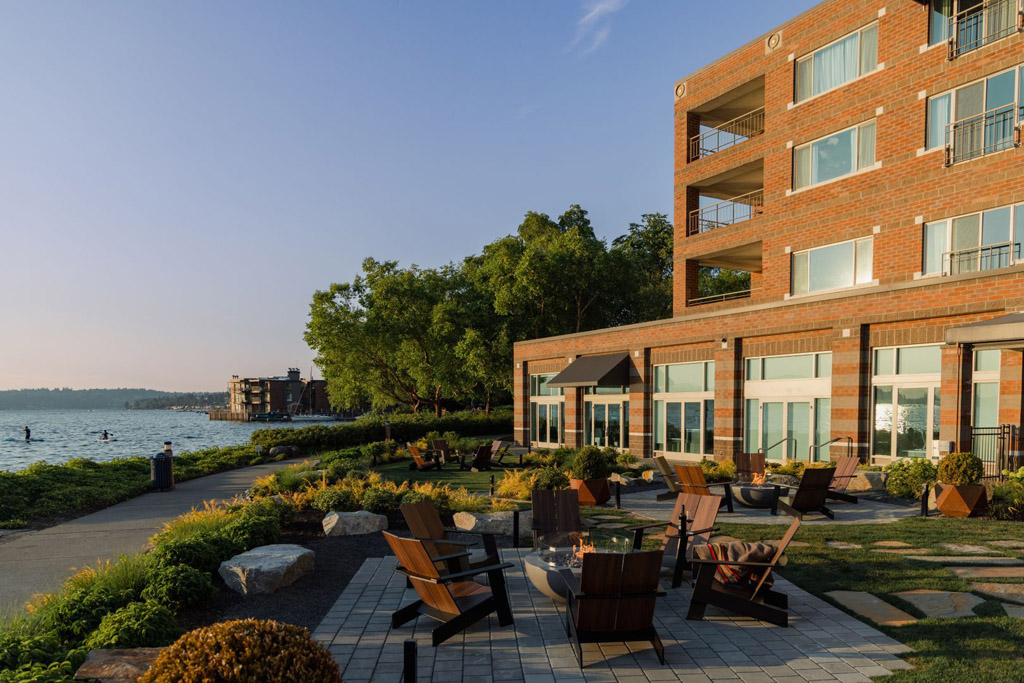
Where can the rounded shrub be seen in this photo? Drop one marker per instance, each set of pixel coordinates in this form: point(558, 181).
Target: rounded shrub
point(625, 459)
point(204, 551)
point(140, 624)
point(590, 463)
point(78, 612)
point(379, 500)
point(412, 497)
point(335, 499)
point(907, 477)
point(550, 478)
point(961, 469)
point(252, 531)
point(243, 651)
point(178, 586)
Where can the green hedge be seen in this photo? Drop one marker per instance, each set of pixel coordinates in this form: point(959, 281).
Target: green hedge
point(404, 427)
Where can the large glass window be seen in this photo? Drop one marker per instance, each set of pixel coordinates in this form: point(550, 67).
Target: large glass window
point(986, 404)
point(906, 401)
point(606, 418)
point(975, 242)
point(684, 408)
point(799, 366)
point(787, 406)
point(977, 118)
point(547, 411)
point(837, 63)
point(832, 267)
point(835, 156)
point(939, 14)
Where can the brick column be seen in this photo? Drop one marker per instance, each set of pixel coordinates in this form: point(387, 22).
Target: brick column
point(691, 283)
point(955, 417)
point(1011, 409)
point(521, 403)
point(851, 386)
point(728, 398)
point(573, 417)
point(641, 443)
point(692, 128)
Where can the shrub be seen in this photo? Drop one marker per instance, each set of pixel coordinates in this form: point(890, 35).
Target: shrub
point(907, 477)
point(550, 478)
point(1008, 501)
point(140, 624)
point(792, 468)
point(243, 651)
point(1017, 476)
point(212, 518)
point(129, 573)
point(411, 497)
point(379, 500)
point(178, 586)
point(76, 613)
point(590, 463)
point(37, 658)
point(335, 498)
point(252, 531)
point(727, 469)
point(204, 551)
point(718, 471)
point(561, 457)
point(626, 459)
point(516, 484)
point(961, 469)
point(502, 505)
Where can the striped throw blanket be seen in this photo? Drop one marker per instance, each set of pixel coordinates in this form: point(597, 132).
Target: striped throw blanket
point(738, 551)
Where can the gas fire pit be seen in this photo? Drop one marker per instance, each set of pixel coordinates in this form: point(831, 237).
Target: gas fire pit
point(757, 495)
point(556, 552)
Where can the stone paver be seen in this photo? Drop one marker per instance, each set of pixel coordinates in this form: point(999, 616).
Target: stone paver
point(942, 604)
point(1006, 544)
point(1003, 591)
point(901, 551)
point(988, 572)
point(843, 545)
point(969, 560)
point(890, 544)
point(872, 607)
point(1016, 611)
point(822, 642)
point(965, 548)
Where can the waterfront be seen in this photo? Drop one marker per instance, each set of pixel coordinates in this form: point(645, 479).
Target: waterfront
point(67, 434)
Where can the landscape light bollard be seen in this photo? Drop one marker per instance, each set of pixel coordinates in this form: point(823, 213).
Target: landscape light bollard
point(515, 528)
point(924, 502)
point(618, 495)
point(492, 485)
point(409, 668)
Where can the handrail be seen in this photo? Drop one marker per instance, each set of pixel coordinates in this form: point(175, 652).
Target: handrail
point(982, 24)
point(985, 133)
point(984, 257)
point(717, 298)
point(728, 134)
point(726, 212)
point(812, 451)
point(764, 451)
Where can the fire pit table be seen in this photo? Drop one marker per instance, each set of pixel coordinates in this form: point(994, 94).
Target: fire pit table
point(565, 551)
point(757, 495)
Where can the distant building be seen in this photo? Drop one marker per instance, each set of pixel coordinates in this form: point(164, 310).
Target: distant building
point(290, 394)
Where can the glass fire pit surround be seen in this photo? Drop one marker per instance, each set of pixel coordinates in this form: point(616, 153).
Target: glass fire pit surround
point(556, 552)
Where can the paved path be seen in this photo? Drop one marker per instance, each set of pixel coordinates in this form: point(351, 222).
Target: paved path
point(822, 643)
point(39, 561)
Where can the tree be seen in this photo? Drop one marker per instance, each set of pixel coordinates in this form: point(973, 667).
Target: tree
point(647, 249)
point(711, 281)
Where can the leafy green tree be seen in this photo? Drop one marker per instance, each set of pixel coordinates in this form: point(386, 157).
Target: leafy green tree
point(711, 281)
point(647, 250)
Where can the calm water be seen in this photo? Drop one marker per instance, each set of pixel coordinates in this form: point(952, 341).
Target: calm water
point(66, 434)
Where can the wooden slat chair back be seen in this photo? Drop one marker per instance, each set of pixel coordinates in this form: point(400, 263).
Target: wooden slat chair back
point(441, 449)
point(846, 471)
point(481, 460)
point(425, 524)
point(668, 475)
point(780, 550)
point(419, 461)
point(412, 555)
point(691, 480)
point(810, 496)
point(701, 512)
point(555, 512)
point(749, 464)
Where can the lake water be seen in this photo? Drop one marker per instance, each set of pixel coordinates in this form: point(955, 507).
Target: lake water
point(60, 435)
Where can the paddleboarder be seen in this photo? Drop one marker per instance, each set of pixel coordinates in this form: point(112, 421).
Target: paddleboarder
point(28, 434)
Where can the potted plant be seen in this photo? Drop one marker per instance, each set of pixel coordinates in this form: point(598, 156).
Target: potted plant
point(589, 476)
point(958, 493)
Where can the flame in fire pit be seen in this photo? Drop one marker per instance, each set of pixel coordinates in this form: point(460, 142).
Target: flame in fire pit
point(576, 559)
point(759, 479)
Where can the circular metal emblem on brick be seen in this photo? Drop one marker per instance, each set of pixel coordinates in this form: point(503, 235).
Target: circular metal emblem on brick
point(680, 90)
point(774, 40)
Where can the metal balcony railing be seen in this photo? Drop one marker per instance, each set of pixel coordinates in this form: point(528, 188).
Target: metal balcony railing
point(982, 24)
point(716, 298)
point(726, 212)
point(731, 133)
point(976, 259)
point(987, 133)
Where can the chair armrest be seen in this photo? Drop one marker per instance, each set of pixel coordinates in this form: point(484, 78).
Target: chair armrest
point(651, 526)
point(456, 530)
point(572, 582)
point(453, 556)
point(701, 531)
point(734, 563)
point(447, 578)
point(721, 483)
point(446, 540)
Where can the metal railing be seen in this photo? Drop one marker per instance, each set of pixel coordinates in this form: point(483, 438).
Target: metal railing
point(726, 212)
point(812, 451)
point(976, 259)
point(987, 133)
point(998, 448)
point(729, 134)
point(717, 298)
point(764, 451)
point(982, 24)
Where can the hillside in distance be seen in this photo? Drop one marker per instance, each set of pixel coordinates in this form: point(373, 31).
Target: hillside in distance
point(99, 399)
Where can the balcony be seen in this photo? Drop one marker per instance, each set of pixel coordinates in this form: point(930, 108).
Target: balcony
point(987, 133)
point(726, 135)
point(728, 198)
point(728, 212)
point(977, 259)
point(718, 298)
point(982, 23)
point(726, 121)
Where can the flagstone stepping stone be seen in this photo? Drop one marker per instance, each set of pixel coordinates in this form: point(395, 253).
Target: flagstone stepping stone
point(901, 551)
point(612, 517)
point(612, 525)
point(969, 559)
point(1006, 544)
point(890, 544)
point(799, 544)
point(988, 572)
point(1003, 591)
point(871, 607)
point(1016, 611)
point(942, 604)
point(965, 548)
point(842, 545)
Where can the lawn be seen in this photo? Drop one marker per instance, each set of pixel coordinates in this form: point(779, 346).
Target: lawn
point(476, 482)
point(981, 649)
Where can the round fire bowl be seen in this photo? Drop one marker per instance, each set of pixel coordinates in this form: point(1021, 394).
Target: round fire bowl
point(757, 496)
point(545, 578)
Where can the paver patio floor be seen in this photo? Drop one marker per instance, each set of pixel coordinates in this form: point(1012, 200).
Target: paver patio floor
point(822, 643)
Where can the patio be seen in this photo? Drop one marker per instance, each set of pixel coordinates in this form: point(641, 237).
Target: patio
point(822, 643)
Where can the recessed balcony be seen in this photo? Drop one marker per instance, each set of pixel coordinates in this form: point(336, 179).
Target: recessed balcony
point(727, 121)
point(726, 199)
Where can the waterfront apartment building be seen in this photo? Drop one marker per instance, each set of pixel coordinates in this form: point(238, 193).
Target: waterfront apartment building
point(863, 162)
point(248, 396)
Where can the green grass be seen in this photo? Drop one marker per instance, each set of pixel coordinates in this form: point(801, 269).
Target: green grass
point(475, 482)
point(987, 648)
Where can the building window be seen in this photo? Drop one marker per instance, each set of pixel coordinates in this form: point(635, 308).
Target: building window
point(788, 405)
point(836, 156)
point(684, 408)
point(547, 412)
point(978, 118)
point(974, 242)
point(985, 394)
point(835, 266)
point(939, 14)
point(837, 63)
point(906, 401)
point(606, 417)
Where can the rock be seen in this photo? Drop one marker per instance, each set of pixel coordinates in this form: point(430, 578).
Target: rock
point(283, 450)
point(493, 522)
point(965, 548)
point(872, 608)
point(1015, 611)
point(622, 479)
point(784, 480)
point(969, 560)
point(650, 476)
point(267, 568)
point(353, 523)
point(901, 551)
point(842, 545)
point(942, 604)
point(1006, 544)
point(117, 666)
point(1003, 591)
point(890, 544)
point(864, 480)
point(988, 572)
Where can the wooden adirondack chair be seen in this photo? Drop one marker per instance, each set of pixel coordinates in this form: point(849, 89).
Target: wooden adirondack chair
point(693, 521)
point(691, 480)
point(426, 525)
point(810, 495)
point(499, 449)
point(555, 512)
point(670, 478)
point(613, 600)
point(449, 597)
point(846, 470)
point(753, 599)
point(442, 451)
point(421, 462)
point(481, 460)
point(749, 465)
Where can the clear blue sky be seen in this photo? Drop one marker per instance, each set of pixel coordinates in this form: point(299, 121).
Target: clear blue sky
point(177, 178)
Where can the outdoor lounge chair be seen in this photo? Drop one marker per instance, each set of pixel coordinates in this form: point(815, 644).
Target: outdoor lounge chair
point(612, 600)
point(442, 450)
point(846, 470)
point(449, 597)
point(481, 460)
point(426, 525)
point(691, 480)
point(749, 599)
point(421, 462)
point(810, 495)
point(749, 465)
point(693, 519)
point(499, 449)
point(555, 512)
point(670, 478)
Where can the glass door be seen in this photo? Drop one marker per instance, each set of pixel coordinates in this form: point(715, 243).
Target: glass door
point(772, 430)
point(785, 428)
point(798, 428)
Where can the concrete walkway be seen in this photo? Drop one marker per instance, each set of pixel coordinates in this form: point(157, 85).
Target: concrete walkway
point(39, 561)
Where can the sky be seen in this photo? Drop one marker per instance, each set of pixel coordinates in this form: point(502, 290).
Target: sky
point(178, 178)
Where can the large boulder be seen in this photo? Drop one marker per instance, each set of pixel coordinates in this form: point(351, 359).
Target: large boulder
point(353, 523)
point(267, 568)
point(283, 450)
point(493, 522)
point(117, 666)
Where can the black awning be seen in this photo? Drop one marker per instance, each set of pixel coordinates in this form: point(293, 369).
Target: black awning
point(611, 370)
point(1006, 330)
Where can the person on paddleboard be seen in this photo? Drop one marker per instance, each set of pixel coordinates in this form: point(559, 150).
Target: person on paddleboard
point(28, 434)
point(106, 435)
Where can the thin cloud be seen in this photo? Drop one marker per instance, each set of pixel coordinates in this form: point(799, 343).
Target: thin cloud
point(525, 111)
point(594, 27)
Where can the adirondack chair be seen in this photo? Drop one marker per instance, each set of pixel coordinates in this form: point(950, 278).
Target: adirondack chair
point(751, 599)
point(555, 512)
point(693, 519)
point(481, 460)
point(810, 496)
point(426, 525)
point(452, 598)
point(442, 451)
point(612, 600)
point(846, 470)
point(749, 465)
point(691, 480)
point(499, 449)
point(421, 462)
point(670, 478)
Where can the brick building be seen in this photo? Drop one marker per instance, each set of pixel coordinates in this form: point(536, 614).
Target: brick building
point(288, 394)
point(863, 163)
